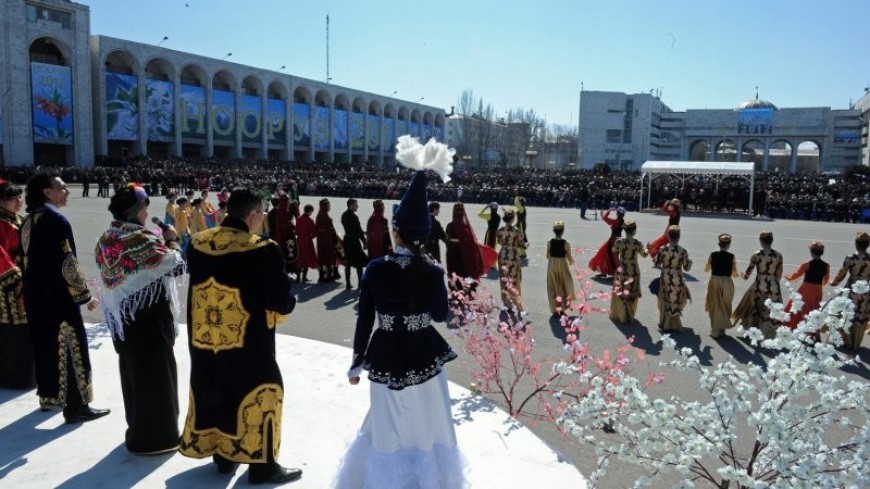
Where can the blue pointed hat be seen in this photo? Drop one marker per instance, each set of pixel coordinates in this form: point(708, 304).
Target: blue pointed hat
point(411, 214)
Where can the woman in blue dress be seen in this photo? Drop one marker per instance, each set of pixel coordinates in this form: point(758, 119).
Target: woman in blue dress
point(407, 438)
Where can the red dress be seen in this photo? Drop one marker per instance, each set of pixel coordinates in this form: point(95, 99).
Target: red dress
point(605, 260)
point(305, 233)
point(378, 235)
point(816, 274)
point(673, 220)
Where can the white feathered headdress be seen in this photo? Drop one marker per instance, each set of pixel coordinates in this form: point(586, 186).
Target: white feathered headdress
point(433, 156)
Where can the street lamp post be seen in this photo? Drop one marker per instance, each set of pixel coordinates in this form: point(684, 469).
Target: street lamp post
point(226, 56)
point(165, 38)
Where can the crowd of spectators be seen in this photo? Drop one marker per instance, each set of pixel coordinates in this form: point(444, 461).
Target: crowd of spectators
point(821, 197)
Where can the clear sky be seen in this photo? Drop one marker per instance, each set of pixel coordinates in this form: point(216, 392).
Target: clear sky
point(702, 54)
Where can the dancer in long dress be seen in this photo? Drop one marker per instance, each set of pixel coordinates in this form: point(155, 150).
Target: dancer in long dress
point(857, 265)
point(520, 204)
point(673, 293)
point(751, 311)
point(306, 231)
point(720, 290)
point(605, 260)
point(672, 210)
point(407, 439)
point(510, 240)
point(560, 282)
point(17, 370)
point(463, 253)
point(493, 221)
point(816, 274)
point(378, 232)
point(626, 278)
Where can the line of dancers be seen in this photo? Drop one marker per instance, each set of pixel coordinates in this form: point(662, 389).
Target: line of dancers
point(618, 258)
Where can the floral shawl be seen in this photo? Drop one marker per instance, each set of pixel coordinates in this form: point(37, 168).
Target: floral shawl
point(135, 266)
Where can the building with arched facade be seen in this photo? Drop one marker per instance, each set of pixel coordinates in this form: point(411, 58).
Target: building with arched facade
point(624, 130)
point(72, 98)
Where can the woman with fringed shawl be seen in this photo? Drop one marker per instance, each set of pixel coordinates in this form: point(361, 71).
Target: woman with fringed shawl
point(140, 302)
point(408, 438)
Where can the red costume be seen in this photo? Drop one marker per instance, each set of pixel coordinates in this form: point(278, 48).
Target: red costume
point(673, 212)
point(816, 274)
point(327, 241)
point(378, 233)
point(305, 232)
point(605, 260)
point(463, 252)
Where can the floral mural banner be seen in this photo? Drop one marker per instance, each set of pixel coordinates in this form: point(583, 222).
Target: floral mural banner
point(192, 100)
point(401, 130)
point(357, 131)
point(160, 103)
point(277, 129)
point(320, 130)
point(427, 133)
point(122, 107)
point(388, 135)
point(252, 125)
point(374, 123)
point(52, 103)
point(301, 124)
point(415, 129)
point(223, 115)
point(339, 129)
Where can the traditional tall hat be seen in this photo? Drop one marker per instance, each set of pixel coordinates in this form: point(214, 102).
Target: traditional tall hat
point(508, 211)
point(629, 225)
point(559, 225)
point(411, 214)
point(862, 237)
point(724, 238)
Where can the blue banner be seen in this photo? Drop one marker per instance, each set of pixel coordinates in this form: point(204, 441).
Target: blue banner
point(277, 121)
point(357, 131)
point(388, 135)
point(52, 103)
point(301, 124)
point(122, 107)
point(339, 129)
point(427, 133)
point(160, 103)
point(755, 121)
point(415, 130)
point(320, 128)
point(847, 136)
point(2, 128)
point(439, 134)
point(401, 130)
point(223, 115)
point(252, 120)
point(374, 127)
point(192, 106)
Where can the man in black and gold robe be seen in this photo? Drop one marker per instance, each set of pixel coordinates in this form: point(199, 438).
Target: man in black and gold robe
point(238, 293)
point(54, 288)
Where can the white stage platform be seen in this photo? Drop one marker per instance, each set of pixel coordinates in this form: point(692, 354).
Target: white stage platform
point(321, 415)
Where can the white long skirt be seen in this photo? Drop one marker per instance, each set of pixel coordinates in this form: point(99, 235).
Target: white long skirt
point(407, 441)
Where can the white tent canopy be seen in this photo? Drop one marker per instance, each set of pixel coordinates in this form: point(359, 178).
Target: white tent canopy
point(718, 168)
